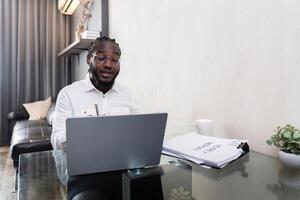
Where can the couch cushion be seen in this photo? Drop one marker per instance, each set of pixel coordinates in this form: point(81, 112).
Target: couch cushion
point(30, 140)
point(23, 124)
point(32, 134)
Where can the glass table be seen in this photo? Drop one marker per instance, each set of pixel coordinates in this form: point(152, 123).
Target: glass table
point(43, 175)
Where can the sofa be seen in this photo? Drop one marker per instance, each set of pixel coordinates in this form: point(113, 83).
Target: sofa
point(29, 135)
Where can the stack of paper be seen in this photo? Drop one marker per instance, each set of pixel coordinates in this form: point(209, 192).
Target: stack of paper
point(90, 34)
point(211, 151)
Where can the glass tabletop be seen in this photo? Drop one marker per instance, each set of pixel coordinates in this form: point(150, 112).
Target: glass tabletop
point(43, 175)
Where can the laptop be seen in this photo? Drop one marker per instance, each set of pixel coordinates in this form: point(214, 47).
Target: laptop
point(110, 143)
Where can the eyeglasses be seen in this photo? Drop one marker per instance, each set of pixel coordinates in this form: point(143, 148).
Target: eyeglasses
point(101, 59)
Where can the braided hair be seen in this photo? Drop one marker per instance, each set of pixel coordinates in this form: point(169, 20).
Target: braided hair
point(101, 39)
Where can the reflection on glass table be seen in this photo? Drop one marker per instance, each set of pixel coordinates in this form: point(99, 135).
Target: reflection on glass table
point(288, 186)
point(43, 175)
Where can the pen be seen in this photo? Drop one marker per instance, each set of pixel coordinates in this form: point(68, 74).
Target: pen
point(97, 111)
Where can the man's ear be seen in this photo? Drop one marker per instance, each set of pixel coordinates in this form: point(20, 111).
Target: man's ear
point(88, 59)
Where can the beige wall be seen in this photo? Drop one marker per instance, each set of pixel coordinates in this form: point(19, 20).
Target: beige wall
point(233, 61)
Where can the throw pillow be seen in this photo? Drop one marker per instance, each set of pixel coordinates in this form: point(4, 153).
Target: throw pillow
point(38, 110)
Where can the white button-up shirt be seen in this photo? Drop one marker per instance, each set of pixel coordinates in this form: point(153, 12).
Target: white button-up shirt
point(82, 99)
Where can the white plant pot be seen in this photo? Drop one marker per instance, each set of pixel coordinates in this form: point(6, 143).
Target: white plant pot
point(289, 160)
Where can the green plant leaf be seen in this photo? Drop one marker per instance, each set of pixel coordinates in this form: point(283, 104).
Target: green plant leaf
point(287, 134)
point(297, 142)
point(289, 147)
point(294, 151)
point(296, 135)
point(286, 138)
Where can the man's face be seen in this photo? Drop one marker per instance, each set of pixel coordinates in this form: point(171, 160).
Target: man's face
point(104, 62)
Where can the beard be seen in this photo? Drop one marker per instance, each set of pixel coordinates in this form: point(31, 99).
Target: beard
point(98, 83)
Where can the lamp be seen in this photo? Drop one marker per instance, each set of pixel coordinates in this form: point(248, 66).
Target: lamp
point(68, 7)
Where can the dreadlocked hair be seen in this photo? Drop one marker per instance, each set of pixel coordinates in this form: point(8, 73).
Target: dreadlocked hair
point(101, 39)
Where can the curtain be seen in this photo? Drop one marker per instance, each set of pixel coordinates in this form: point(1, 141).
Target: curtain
point(32, 33)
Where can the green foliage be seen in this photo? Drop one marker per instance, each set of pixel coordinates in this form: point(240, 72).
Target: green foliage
point(286, 139)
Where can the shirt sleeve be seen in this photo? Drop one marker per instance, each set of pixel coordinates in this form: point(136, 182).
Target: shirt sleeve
point(63, 110)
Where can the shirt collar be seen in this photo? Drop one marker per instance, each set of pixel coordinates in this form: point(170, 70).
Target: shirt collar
point(88, 86)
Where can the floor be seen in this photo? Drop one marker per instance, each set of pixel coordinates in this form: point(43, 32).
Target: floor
point(6, 176)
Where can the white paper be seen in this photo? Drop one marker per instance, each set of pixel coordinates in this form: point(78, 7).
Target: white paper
point(212, 151)
point(183, 157)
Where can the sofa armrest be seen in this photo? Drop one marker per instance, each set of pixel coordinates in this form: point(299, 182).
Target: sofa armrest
point(17, 115)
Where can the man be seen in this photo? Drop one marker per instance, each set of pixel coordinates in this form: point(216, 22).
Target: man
point(97, 94)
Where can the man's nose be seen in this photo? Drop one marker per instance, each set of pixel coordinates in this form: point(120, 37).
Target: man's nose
point(108, 62)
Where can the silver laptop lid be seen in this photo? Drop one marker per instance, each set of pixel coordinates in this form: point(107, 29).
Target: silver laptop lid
point(109, 143)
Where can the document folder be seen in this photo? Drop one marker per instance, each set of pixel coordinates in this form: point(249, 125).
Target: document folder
point(211, 151)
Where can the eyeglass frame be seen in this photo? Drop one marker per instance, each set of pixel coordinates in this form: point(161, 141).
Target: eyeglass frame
point(105, 58)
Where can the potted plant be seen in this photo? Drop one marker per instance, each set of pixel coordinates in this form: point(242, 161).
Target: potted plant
point(287, 139)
